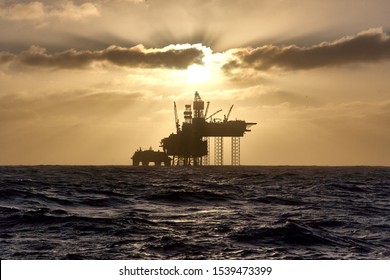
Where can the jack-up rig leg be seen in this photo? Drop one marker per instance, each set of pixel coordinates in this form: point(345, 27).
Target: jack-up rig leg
point(235, 151)
point(218, 150)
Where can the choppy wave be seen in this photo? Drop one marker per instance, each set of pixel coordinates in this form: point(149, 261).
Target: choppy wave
point(65, 212)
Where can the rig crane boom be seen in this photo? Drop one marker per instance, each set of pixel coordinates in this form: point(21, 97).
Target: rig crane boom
point(176, 117)
point(207, 109)
point(214, 114)
point(228, 114)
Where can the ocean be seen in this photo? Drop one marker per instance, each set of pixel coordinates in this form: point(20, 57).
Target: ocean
point(124, 212)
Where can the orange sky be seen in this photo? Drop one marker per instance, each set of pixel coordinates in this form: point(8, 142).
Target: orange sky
point(88, 82)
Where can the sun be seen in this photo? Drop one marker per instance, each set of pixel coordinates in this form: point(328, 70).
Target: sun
point(198, 74)
point(208, 71)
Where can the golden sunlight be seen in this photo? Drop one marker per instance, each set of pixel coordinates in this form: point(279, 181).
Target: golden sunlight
point(197, 74)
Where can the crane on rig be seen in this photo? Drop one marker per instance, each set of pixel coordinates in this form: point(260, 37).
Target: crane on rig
point(212, 115)
point(226, 118)
point(176, 118)
point(207, 109)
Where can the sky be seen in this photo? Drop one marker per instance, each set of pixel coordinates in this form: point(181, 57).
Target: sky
point(89, 82)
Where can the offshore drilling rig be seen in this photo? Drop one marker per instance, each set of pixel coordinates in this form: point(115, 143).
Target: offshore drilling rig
point(190, 145)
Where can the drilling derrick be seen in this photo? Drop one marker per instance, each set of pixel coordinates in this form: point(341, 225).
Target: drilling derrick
point(198, 106)
point(190, 145)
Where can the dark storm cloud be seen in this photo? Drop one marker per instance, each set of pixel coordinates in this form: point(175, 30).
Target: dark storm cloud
point(172, 58)
point(6, 57)
point(368, 46)
point(168, 57)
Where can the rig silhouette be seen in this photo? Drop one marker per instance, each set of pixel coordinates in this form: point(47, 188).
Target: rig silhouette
point(190, 145)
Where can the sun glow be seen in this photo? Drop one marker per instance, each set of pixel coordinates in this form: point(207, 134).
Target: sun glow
point(208, 71)
point(197, 74)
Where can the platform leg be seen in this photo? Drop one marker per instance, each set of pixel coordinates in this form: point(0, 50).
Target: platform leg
point(235, 151)
point(218, 150)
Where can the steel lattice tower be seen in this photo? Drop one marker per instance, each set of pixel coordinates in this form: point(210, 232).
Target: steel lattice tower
point(218, 150)
point(236, 151)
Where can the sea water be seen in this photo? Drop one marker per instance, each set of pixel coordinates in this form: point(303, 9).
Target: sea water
point(123, 212)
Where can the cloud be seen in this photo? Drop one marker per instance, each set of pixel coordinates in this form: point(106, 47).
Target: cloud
point(39, 11)
point(6, 57)
point(369, 46)
point(23, 11)
point(174, 56)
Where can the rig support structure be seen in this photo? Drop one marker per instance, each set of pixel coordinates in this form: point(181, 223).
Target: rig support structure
point(235, 151)
point(206, 158)
point(190, 145)
point(218, 150)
